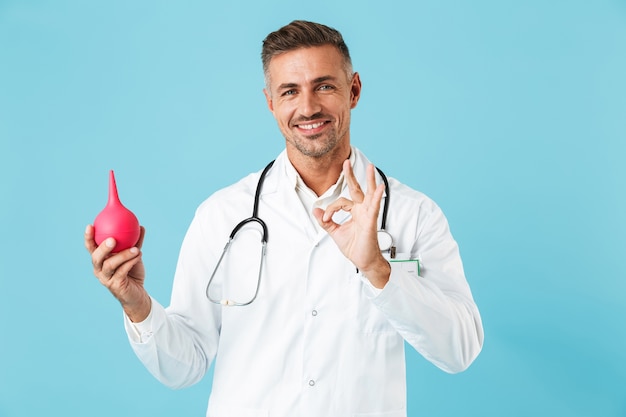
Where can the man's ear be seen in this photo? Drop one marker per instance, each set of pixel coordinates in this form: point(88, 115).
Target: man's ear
point(268, 99)
point(355, 90)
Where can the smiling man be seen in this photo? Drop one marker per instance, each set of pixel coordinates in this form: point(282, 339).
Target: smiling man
point(311, 95)
point(312, 322)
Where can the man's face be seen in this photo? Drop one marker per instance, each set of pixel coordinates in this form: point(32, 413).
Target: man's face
point(311, 95)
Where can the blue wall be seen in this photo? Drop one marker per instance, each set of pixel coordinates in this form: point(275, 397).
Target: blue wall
point(511, 115)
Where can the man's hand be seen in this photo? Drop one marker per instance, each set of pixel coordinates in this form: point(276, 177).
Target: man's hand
point(357, 238)
point(122, 273)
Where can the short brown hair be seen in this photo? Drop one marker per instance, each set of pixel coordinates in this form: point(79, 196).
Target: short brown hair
point(302, 34)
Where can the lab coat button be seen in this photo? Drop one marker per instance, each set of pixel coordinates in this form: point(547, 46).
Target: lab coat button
point(314, 313)
point(311, 383)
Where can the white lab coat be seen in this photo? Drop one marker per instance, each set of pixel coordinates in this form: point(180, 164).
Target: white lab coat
point(318, 340)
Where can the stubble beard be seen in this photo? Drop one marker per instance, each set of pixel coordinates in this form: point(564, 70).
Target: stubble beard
point(312, 147)
point(315, 146)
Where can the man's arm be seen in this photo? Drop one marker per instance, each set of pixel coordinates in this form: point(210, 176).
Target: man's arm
point(435, 313)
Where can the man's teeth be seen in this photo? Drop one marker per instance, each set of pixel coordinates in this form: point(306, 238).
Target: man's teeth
point(311, 126)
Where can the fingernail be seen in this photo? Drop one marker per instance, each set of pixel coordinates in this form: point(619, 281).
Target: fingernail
point(134, 250)
point(109, 243)
point(87, 228)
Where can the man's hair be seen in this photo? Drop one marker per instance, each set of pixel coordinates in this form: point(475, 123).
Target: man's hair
point(302, 34)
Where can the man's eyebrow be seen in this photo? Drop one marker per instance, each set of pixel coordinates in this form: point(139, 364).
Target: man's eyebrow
point(315, 81)
point(287, 86)
point(324, 78)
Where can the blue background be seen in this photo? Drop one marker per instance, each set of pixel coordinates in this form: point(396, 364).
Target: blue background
point(510, 114)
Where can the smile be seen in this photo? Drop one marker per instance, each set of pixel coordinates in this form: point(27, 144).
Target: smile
point(311, 126)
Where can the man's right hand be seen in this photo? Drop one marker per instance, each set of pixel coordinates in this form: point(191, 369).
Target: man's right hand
point(122, 273)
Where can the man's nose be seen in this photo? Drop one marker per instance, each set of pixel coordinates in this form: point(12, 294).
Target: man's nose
point(310, 104)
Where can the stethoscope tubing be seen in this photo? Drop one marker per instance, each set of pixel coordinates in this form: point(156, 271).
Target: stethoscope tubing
point(264, 236)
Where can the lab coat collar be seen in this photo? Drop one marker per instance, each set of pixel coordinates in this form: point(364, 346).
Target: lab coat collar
point(283, 174)
point(282, 181)
point(296, 180)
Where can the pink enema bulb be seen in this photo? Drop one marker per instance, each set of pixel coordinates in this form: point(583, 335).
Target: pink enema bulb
point(116, 221)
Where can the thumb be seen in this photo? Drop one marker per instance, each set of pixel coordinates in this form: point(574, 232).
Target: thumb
point(318, 213)
point(329, 225)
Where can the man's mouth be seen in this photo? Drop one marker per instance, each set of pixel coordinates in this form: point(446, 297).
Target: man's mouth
point(311, 126)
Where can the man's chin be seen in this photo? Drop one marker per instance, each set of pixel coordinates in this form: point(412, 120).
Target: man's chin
point(315, 151)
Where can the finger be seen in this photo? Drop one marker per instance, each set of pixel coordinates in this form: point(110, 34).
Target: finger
point(90, 243)
point(356, 193)
point(101, 253)
point(142, 233)
point(327, 224)
point(339, 204)
point(371, 179)
point(113, 264)
point(119, 283)
point(377, 197)
point(122, 271)
point(318, 213)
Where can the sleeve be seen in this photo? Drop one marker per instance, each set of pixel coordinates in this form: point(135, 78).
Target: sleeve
point(435, 311)
point(177, 344)
point(139, 332)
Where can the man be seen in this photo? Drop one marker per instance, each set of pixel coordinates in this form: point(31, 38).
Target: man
point(316, 326)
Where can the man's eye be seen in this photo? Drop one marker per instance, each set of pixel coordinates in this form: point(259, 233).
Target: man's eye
point(289, 93)
point(326, 87)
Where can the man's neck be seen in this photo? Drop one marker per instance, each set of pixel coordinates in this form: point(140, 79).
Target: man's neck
point(319, 174)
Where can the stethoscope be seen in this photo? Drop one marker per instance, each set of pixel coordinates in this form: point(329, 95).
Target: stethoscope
point(385, 240)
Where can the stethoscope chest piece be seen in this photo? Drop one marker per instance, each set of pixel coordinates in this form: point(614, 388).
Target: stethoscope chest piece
point(385, 243)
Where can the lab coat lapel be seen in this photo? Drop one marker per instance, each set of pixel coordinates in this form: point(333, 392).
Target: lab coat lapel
point(281, 195)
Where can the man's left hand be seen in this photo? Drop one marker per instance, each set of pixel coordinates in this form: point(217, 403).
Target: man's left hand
point(357, 238)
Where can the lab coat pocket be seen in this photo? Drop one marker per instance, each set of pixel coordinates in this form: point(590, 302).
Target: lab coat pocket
point(403, 262)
